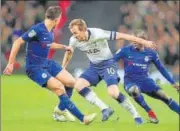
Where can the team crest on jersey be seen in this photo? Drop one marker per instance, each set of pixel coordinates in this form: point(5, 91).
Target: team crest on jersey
point(31, 33)
point(146, 58)
point(44, 75)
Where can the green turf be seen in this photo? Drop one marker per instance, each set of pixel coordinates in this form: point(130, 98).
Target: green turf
point(27, 107)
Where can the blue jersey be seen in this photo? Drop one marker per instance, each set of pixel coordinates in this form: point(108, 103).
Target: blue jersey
point(38, 40)
point(136, 63)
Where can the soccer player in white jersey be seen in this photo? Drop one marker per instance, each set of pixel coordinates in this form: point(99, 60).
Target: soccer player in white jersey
point(93, 42)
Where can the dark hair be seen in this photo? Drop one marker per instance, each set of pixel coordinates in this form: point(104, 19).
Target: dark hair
point(53, 12)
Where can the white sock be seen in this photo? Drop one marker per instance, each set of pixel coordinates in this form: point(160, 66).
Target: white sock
point(126, 104)
point(93, 99)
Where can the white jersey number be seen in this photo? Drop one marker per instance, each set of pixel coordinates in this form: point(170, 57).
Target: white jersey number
point(111, 71)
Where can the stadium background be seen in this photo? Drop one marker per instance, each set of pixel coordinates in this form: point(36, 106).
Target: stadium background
point(160, 19)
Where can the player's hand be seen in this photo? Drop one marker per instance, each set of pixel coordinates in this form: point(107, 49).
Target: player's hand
point(69, 48)
point(64, 66)
point(151, 45)
point(9, 69)
point(177, 87)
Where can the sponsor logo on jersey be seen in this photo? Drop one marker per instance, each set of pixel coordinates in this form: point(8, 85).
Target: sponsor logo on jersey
point(92, 51)
point(143, 66)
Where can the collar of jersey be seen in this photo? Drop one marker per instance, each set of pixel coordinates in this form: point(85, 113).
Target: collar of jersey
point(89, 34)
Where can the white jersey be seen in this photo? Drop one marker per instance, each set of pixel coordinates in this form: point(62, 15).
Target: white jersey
point(96, 48)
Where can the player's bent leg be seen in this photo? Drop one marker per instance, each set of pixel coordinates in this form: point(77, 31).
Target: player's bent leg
point(138, 97)
point(60, 113)
point(62, 75)
point(157, 93)
point(82, 87)
point(57, 87)
point(81, 83)
point(66, 78)
point(124, 101)
point(160, 94)
point(65, 115)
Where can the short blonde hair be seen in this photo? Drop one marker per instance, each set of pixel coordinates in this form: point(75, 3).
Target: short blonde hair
point(78, 22)
point(141, 34)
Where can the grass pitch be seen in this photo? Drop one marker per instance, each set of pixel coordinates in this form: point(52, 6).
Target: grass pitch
point(27, 107)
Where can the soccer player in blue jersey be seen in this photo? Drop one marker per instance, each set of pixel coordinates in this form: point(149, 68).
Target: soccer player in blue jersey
point(137, 59)
point(47, 73)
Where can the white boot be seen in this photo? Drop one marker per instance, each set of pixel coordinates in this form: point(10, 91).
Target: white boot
point(58, 117)
point(89, 118)
point(63, 115)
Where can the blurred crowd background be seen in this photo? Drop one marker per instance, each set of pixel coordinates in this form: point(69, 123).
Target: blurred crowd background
point(159, 19)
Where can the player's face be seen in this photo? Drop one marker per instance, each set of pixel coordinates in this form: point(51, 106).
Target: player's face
point(56, 21)
point(80, 35)
point(139, 46)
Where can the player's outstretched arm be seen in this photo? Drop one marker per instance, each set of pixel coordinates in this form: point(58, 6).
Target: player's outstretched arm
point(119, 54)
point(67, 58)
point(148, 44)
point(55, 45)
point(12, 58)
point(164, 72)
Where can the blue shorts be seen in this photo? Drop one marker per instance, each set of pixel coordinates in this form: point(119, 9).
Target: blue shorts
point(145, 85)
point(106, 70)
point(41, 74)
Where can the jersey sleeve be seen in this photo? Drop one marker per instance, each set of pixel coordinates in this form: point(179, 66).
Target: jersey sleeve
point(161, 68)
point(72, 42)
point(119, 54)
point(28, 35)
point(105, 34)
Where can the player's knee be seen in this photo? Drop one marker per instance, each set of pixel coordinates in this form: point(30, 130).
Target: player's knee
point(71, 83)
point(58, 88)
point(59, 92)
point(113, 91)
point(80, 84)
point(133, 91)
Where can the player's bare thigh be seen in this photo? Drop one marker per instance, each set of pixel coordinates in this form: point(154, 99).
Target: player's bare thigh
point(81, 83)
point(66, 78)
point(55, 86)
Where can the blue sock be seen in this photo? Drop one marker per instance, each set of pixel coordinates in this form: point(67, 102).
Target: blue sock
point(84, 91)
point(174, 106)
point(140, 100)
point(69, 92)
point(61, 106)
point(68, 104)
point(121, 97)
